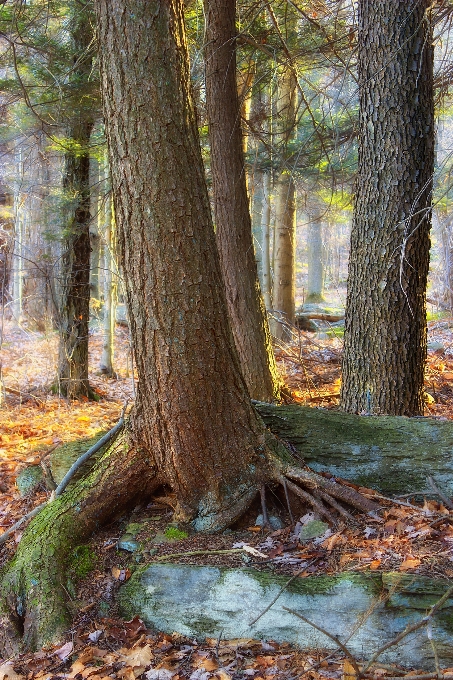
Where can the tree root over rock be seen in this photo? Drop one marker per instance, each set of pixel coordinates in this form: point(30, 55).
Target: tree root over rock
point(34, 601)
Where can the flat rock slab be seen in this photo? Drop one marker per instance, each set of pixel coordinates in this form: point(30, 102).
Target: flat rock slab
point(363, 611)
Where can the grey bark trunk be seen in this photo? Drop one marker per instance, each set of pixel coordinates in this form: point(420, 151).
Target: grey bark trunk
point(385, 334)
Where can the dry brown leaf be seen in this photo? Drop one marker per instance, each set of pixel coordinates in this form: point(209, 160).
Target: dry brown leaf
point(137, 658)
point(77, 667)
point(7, 672)
point(410, 563)
point(348, 670)
point(201, 660)
point(222, 675)
point(121, 574)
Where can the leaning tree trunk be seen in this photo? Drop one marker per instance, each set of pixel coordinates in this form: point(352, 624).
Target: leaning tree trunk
point(232, 217)
point(74, 306)
point(385, 328)
point(193, 426)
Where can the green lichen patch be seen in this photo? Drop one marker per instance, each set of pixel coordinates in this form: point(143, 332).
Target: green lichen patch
point(175, 534)
point(82, 561)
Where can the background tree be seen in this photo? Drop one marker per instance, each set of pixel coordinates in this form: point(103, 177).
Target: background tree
point(74, 307)
point(385, 332)
point(231, 206)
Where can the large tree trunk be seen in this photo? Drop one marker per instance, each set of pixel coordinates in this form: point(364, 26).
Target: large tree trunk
point(232, 217)
point(385, 329)
point(74, 307)
point(193, 426)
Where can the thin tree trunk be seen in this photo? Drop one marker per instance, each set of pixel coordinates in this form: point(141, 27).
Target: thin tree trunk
point(232, 217)
point(284, 290)
point(385, 325)
point(74, 308)
point(110, 283)
point(315, 280)
point(266, 246)
point(17, 278)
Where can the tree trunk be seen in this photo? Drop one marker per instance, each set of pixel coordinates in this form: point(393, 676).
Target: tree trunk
point(19, 219)
point(284, 291)
point(315, 281)
point(385, 330)
point(110, 280)
point(232, 216)
point(193, 426)
point(72, 380)
point(266, 247)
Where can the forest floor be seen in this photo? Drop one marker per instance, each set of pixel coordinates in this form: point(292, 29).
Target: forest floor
point(408, 537)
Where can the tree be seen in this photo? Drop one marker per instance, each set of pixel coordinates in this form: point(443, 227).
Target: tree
point(74, 306)
point(193, 427)
point(231, 206)
point(385, 327)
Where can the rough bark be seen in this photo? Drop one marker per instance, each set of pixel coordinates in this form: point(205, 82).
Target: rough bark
point(385, 332)
point(231, 207)
point(72, 379)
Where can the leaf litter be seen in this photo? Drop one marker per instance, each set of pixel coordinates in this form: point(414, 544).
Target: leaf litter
point(409, 537)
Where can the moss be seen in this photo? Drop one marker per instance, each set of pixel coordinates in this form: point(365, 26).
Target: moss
point(175, 534)
point(82, 561)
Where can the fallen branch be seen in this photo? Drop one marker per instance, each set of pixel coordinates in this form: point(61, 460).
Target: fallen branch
point(320, 317)
point(338, 642)
point(67, 478)
point(282, 590)
point(436, 490)
point(199, 552)
point(410, 629)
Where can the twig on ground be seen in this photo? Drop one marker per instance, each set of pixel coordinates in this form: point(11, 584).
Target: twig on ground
point(409, 629)
point(338, 642)
point(436, 489)
point(282, 590)
point(191, 553)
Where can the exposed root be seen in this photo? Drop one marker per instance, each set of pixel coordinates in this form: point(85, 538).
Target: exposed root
point(337, 506)
point(311, 500)
point(317, 483)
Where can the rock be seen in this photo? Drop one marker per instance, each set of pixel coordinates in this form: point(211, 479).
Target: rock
point(28, 479)
point(313, 529)
point(435, 346)
point(274, 521)
point(209, 602)
point(127, 542)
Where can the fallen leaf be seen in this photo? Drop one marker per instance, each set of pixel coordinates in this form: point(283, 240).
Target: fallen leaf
point(7, 672)
point(64, 652)
point(348, 670)
point(253, 551)
point(410, 563)
point(121, 574)
point(159, 674)
point(137, 657)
